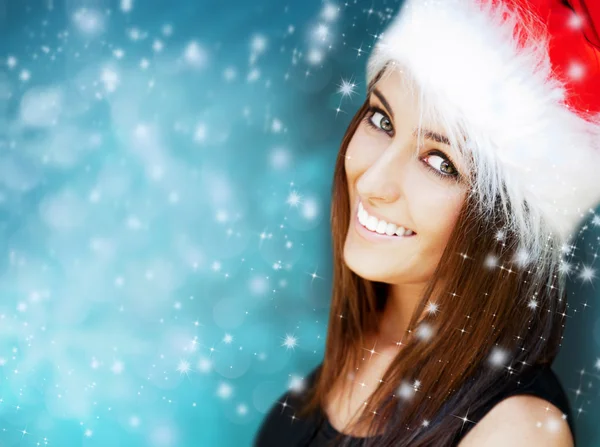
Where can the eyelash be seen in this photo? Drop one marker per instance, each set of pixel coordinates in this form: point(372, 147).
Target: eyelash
point(367, 119)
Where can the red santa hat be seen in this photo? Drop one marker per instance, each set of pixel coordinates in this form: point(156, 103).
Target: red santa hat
point(516, 86)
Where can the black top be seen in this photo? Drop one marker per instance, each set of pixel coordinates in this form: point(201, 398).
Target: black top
point(281, 426)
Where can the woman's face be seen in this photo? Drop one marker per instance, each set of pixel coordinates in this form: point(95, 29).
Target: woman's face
point(422, 194)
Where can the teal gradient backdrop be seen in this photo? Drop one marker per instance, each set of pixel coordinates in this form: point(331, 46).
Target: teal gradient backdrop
point(165, 177)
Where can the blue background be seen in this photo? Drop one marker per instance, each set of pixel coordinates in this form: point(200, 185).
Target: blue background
point(165, 177)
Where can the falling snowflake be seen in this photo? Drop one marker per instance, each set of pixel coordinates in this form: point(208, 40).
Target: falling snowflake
point(498, 357)
point(424, 332)
point(406, 391)
point(224, 391)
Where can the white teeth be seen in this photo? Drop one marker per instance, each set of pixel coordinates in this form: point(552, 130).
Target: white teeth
point(380, 226)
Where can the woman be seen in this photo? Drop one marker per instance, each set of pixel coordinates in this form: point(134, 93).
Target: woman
point(457, 186)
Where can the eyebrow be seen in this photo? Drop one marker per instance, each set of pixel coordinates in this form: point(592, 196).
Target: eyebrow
point(429, 134)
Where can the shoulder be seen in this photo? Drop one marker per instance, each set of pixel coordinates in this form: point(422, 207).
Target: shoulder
point(521, 420)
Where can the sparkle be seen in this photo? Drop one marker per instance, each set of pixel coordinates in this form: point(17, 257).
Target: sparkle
point(183, 367)
point(464, 419)
point(587, 273)
point(284, 405)
point(290, 341)
point(294, 199)
point(372, 350)
point(432, 307)
point(346, 88)
point(314, 276)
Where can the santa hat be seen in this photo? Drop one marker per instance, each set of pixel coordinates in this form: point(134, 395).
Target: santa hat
point(520, 80)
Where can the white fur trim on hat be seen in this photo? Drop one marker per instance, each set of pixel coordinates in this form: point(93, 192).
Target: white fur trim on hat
point(527, 147)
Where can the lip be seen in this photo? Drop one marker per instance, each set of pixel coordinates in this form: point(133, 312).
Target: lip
point(371, 236)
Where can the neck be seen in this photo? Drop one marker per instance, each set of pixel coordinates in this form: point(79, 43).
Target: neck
point(400, 305)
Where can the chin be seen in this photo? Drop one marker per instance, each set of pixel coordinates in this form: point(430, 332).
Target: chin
point(372, 271)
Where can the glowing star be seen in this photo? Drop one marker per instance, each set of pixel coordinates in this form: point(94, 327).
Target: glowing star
point(564, 267)
point(464, 418)
point(346, 88)
point(290, 341)
point(587, 273)
point(228, 338)
point(432, 307)
point(533, 304)
point(183, 367)
point(294, 199)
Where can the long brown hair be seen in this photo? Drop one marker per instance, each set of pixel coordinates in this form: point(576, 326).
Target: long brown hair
point(512, 318)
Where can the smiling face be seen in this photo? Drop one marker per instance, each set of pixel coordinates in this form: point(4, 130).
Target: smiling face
point(399, 178)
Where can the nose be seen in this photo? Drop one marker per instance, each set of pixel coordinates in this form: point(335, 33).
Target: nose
point(381, 181)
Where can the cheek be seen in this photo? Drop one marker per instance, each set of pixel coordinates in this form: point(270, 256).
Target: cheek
point(434, 208)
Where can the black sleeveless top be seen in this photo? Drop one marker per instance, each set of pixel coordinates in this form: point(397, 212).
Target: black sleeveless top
point(281, 426)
